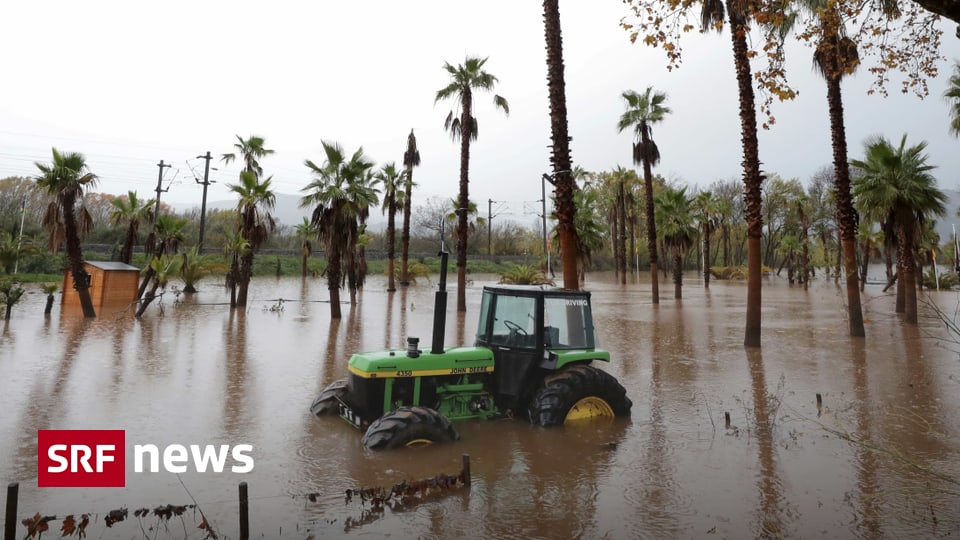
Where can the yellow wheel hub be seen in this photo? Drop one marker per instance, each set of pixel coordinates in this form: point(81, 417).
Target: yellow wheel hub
point(589, 407)
point(418, 442)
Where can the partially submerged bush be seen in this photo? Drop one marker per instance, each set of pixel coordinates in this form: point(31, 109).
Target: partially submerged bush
point(523, 274)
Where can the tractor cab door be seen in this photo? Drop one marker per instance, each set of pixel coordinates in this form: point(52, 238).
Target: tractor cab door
point(509, 327)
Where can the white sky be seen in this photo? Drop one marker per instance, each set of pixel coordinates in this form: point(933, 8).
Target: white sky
point(131, 83)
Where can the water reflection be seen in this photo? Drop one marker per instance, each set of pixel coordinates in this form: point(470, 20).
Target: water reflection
point(200, 372)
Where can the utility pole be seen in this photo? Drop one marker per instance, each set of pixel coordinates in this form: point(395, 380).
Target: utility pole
point(203, 204)
point(156, 206)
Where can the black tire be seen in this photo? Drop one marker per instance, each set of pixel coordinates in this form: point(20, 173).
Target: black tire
point(328, 402)
point(560, 391)
point(407, 425)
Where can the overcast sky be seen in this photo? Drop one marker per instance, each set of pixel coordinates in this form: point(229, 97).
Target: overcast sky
point(131, 83)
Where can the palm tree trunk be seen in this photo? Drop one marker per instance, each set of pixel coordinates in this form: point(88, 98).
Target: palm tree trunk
point(81, 279)
point(145, 302)
point(405, 235)
point(466, 132)
point(907, 282)
point(246, 271)
point(304, 253)
point(126, 252)
point(651, 223)
point(845, 212)
point(391, 238)
point(706, 255)
point(560, 145)
point(677, 274)
point(751, 173)
point(334, 278)
point(621, 233)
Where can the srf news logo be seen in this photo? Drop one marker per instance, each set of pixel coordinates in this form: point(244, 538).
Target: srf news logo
point(97, 458)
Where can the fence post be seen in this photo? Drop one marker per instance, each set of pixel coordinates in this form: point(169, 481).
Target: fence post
point(466, 470)
point(244, 513)
point(10, 525)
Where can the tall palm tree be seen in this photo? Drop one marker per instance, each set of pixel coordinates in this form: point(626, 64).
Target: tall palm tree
point(256, 199)
point(306, 232)
point(644, 110)
point(563, 174)
point(64, 179)
point(896, 187)
point(132, 211)
point(464, 79)
point(364, 193)
point(250, 151)
point(739, 13)
point(391, 179)
point(338, 194)
point(411, 159)
point(835, 56)
point(678, 228)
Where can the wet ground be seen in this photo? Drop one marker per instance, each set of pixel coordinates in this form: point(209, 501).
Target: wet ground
point(880, 457)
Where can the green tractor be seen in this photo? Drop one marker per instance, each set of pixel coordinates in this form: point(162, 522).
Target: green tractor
point(532, 358)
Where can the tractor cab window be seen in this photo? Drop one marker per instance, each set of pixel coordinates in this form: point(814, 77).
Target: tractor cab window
point(567, 323)
point(514, 322)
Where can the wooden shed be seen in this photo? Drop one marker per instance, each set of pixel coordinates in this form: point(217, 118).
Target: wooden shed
point(111, 283)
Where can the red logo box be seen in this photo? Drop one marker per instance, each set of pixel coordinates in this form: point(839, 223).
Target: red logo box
point(81, 458)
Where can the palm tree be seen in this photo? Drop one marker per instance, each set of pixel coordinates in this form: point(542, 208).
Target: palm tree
point(256, 199)
point(411, 159)
point(474, 221)
point(164, 268)
point(952, 95)
point(712, 17)
point(707, 208)
point(563, 174)
point(677, 227)
point(306, 232)
point(835, 56)
point(896, 187)
point(65, 179)
point(644, 110)
point(195, 267)
point(166, 238)
point(250, 151)
point(589, 233)
point(339, 194)
point(391, 178)
point(235, 247)
point(464, 79)
point(132, 211)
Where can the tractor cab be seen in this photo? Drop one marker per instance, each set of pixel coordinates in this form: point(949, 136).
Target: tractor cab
point(532, 329)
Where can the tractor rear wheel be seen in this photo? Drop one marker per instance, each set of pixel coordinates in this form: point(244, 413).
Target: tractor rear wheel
point(409, 426)
point(578, 392)
point(328, 402)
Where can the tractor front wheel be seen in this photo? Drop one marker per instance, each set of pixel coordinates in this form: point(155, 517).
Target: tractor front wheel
point(409, 426)
point(328, 402)
point(575, 393)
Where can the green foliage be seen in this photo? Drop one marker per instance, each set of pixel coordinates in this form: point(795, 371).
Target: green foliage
point(10, 294)
point(195, 267)
point(948, 280)
point(523, 274)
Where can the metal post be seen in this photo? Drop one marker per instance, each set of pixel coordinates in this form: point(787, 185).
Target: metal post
point(10, 523)
point(203, 204)
point(244, 513)
point(23, 213)
point(156, 206)
point(489, 224)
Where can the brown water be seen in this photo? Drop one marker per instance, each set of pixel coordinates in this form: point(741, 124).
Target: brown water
point(881, 458)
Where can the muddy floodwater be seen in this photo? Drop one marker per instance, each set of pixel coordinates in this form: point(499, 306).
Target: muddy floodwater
point(878, 457)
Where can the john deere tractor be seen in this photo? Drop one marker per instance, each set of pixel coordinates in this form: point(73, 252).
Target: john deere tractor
point(533, 358)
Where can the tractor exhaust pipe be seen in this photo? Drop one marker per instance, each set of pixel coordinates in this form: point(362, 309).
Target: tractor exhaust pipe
point(440, 308)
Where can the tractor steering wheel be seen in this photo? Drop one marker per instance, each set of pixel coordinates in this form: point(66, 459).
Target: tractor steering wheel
point(514, 327)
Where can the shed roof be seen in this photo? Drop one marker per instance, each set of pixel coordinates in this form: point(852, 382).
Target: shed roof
point(112, 265)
